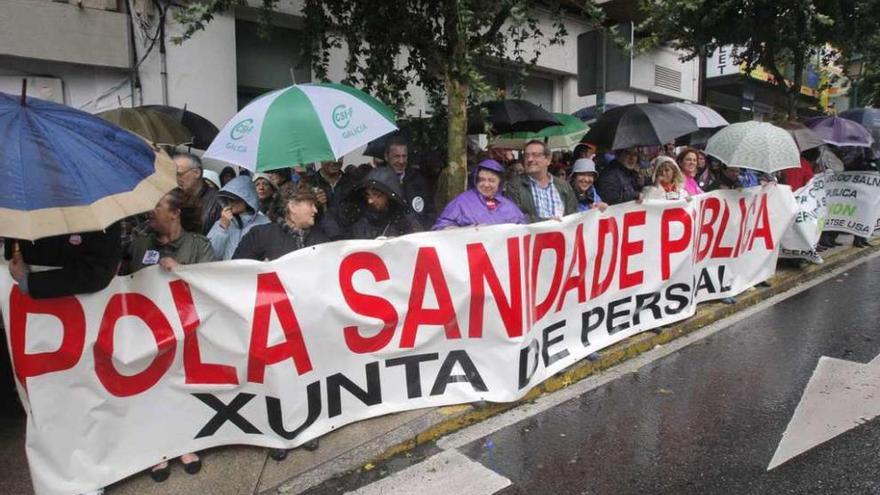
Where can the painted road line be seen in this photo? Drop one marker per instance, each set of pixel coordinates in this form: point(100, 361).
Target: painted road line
point(449, 472)
point(495, 423)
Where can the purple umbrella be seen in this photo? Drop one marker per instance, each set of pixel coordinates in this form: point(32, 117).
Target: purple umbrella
point(840, 132)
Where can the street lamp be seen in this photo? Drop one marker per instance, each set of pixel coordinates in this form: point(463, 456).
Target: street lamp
point(854, 72)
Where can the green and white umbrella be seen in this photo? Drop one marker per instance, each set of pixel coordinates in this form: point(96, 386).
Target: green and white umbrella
point(755, 145)
point(564, 136)
point(304, 123)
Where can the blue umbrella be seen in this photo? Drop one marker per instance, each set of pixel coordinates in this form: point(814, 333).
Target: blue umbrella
point(840, 132)
point(587, 114)
point(64, 171)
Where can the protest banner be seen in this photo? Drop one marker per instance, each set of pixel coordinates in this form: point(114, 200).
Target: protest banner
point(277, 353)
point(853, 202)
point(802, 237)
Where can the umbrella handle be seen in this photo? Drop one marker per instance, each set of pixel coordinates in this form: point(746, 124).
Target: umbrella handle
point(23, 91)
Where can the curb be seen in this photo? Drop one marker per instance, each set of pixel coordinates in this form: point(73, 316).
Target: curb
point(706, 314)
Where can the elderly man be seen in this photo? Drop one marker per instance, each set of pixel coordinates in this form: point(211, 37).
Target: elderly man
point(415, 186)
point(189, 178)
point(539, 194)
point(620, 181)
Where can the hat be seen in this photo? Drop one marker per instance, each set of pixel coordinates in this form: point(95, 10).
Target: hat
point(211, 176)
point(266, 178)
point(583, 166)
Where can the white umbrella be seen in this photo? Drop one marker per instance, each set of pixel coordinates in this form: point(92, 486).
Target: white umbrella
point(755, 145)
point(706, 117)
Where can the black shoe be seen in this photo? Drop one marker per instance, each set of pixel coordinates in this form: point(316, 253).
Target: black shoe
point(160, 475)
point(278, 454)
point(193, 467)
point(312, 445)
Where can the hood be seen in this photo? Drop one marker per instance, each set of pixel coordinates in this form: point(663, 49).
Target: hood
point(385, 180)
point(492, 166)
point(242, 188)
point(679, 176)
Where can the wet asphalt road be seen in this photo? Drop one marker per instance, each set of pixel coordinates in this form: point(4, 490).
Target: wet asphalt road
point(705, 419)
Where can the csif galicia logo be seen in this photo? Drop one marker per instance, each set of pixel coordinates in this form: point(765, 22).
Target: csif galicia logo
point(241, 129)
point(342, 116)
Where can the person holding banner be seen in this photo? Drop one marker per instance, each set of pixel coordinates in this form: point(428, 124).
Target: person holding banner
point(174, 236)
point(173, 240)
point(295, 230)
point(668, 181)
point(482, 204)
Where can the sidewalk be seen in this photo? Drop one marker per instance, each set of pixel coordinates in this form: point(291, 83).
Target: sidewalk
point(246, 470)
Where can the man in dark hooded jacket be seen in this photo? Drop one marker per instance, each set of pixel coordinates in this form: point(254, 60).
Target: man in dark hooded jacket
point(379, 207)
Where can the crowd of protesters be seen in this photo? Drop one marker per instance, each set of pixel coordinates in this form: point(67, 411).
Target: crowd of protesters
point(264, 216)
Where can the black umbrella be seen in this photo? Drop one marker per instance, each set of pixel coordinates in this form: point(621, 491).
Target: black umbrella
point(510, 116)
point(804, 137)
point(202, 129)
point(376, 147)
point(640, 124)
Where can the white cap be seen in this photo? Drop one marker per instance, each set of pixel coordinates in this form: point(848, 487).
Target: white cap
point(261, 175)
point(583, 165)
point(211, 176)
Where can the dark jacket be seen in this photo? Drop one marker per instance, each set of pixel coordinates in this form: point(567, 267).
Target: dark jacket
point(336, 193)
point(86, 262)
point(274, 240)
point(397, 220)
point(618, 184)
point(418, 195)
point(518, 191)
point(211, 208)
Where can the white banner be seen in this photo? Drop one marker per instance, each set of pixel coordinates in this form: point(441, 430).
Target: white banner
point(802, 237)
point(853, 202)
point(274, 354)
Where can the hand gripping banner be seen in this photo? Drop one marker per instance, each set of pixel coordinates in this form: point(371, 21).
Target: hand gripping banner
point(277, 353)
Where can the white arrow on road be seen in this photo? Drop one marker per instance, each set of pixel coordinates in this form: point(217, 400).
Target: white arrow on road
point(840, 396)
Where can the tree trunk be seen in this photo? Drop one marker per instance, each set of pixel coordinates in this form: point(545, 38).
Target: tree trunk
point(454, 180)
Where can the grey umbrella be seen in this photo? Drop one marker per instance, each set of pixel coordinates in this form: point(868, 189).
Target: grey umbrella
point(804, 137)
point(640, 124)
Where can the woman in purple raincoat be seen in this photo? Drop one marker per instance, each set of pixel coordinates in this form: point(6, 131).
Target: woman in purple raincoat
point(483, 204)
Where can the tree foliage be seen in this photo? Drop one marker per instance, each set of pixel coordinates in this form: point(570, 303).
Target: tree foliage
point(775, 34)
point(858, 40)
point(440, 45)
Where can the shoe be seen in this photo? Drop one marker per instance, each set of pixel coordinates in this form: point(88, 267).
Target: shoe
point(278, 454)
point(191, 467)
point(861, 243)
point(593, 356)
point(764, 284)
point(312, 445)
point(728, 300)
point(160, 472)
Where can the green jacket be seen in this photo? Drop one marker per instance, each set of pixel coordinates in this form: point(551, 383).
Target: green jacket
point(518, 191)
point(187, 249)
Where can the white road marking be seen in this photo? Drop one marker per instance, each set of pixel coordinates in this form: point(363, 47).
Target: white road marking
point(495, 423)
point(449, 472)
point(840, 396)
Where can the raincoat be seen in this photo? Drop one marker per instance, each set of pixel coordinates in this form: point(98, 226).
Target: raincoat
point(225, 241)
point(470, 207)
